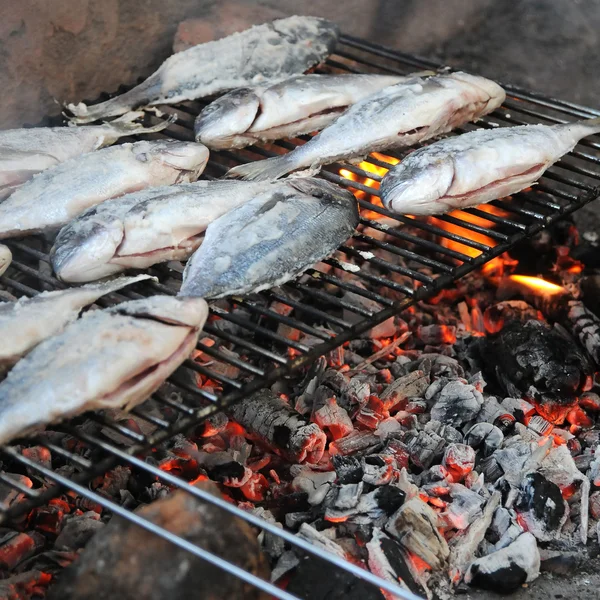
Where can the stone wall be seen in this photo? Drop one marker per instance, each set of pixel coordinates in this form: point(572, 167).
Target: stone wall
point(53, 51)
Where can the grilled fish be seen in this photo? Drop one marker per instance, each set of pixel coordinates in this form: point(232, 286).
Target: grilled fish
point(271, 239)
point(145, 228)
point(291, 107)
point(477, 167)
point(59, 194)
point(25, 323)
point(265, 52)
point(399, 115)
point(5, 258)
point(25, 152)
point(110, 358)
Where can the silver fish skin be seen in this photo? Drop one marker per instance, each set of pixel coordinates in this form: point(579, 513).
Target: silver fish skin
point(112, 358)
point(291, 107)
point(27, 322)
point(5, 258)
point(271, 239)
point(478, 167)
point(52, 198)
point(397, 116)
point(141, 229)
point(265, 52)
point(25, 152)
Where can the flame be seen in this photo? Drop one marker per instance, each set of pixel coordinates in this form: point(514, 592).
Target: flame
point(538, 284)
point(367, 181)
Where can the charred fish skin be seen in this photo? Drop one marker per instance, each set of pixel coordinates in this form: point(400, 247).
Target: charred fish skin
point(294, 106)
point(265, 52)
point(5, 258)
point(478, 167)
point(25, 152)
point(27, 322)
point(109, 358)
point(144, 228)
point(397, 116)
point(54, 197)
point(271, 239)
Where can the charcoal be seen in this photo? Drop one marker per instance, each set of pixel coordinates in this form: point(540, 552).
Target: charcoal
point(293, 520)
point(321, 539)
point(415, 526)
point(388, 428)
point(348, 469)
point(336, 381)
point(334, 419)
point(519, 408)
point(586, 326)
point(212, 425)
point(465, 543)
point(15, 547)
point(496, 316)
point(319, 580)
point(435, 334)
point(500, 523)
point(439, 365)
point(595, 505)
point(128, 562)
point(538, 361)
point(457, 403)
point(459, 460)
point(484, 438)
point(272, 544)
point(541, 506)
point(378, 469)
point(355, 442)
point(539, 425)
point(465, 507)
point(424, 447)
point(316, 484)
point(30, 584)
point(590, 401)
point(348, 495)
point(505, 423)
point(280, 426)
point(397, 393)
point(386, 559)
point(506, 570)
point(222, 467)
point(389, 498)
point(287, 561)
point(490, 410)
point(78, 530)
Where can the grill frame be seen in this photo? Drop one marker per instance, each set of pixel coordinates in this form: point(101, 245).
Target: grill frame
point(373, 58)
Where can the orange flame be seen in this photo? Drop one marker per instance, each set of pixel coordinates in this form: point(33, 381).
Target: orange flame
point(538, 284)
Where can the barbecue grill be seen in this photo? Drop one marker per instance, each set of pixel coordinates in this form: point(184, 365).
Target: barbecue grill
point(314, 298)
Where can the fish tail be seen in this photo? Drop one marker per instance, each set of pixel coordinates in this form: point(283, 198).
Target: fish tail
point(264, 170)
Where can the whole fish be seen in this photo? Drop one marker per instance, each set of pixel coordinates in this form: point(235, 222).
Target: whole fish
point(59, 194)
point(113, 358)
point(291, 107)
point(265, 52)
point(399, 115)
point(25, 152)
point(5, 258)
point(477, 167)
point(141, 229)
point(27, 322)
point(271, 239)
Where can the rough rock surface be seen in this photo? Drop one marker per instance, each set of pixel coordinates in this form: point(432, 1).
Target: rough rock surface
point(127, 562)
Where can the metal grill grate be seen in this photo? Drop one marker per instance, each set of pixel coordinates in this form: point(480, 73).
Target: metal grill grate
point(421, 263)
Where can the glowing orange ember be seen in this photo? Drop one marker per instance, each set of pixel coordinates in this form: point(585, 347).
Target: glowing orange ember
point(538, 284)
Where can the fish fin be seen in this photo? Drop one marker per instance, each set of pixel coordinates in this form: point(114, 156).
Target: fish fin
point(125, 126)
point(263, 170)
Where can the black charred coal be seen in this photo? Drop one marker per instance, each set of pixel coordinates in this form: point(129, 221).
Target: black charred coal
point(485, 438)
point(535, 360)
point(541, 505)
point(348, 469)
point(389, 498)
point(586, 326)
point(319, 580)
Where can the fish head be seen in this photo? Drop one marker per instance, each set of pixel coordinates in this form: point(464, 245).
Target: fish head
point(230, 116)
point(490, 90)
point(188, 157)
point(417, 187)
point(83, 249)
